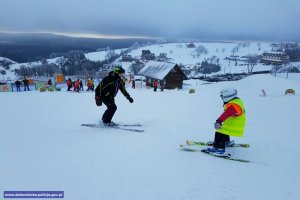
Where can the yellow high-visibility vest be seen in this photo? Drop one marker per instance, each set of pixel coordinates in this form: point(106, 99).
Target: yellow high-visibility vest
point(234, 126)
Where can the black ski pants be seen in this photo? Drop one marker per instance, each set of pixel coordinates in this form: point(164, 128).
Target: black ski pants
point(110, 111)
point(220, 140)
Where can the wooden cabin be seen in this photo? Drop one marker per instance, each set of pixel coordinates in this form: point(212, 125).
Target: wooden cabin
point(147, 55)
point(169, 75)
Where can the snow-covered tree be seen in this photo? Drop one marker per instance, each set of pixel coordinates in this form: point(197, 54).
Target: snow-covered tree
point(235, 50)
point(201, 50)
point(3, 72)
point(252, 61)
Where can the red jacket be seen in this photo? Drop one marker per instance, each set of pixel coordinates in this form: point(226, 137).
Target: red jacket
point(232, 110)
point(69, 82)
point(77, 84)
point(89, 83)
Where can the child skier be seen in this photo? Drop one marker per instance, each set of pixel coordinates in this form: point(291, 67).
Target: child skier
point(231, 122)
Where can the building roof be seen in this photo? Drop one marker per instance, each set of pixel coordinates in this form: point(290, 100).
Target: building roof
point(274, 53)
point(157, 70)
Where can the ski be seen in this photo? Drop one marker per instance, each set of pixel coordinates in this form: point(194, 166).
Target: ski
point(115, 127)
point(187, 148)
point(129, 129)
point(92, 125)
point(134, 124)
point(198, 143)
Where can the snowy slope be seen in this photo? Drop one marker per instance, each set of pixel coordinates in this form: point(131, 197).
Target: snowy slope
point(180, 54)
point(8, 72)
point(3, 58)
point(43, 147)
point(100, 55)
point(11, 74)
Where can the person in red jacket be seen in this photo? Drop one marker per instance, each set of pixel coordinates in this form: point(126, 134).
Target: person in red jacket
point(69, 84)
point(77, 85)
point(155, 85)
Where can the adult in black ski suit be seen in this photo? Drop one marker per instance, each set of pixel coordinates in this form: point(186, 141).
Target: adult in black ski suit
point(108, 89)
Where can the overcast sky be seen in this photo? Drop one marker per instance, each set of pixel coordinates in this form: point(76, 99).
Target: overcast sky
point(203, 19)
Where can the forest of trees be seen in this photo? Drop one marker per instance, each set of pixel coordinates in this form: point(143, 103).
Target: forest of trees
point(72, 63)
point(5, 63)
point(294, 54)
point(209, 67)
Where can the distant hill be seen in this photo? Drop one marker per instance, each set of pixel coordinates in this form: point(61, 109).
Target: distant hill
point(25, 47)
point(191, 58)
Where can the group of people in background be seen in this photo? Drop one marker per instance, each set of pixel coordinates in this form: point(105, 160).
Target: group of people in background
point(78, 85)
point(19, 83)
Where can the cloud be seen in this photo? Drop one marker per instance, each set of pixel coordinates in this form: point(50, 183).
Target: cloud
point(210, 19)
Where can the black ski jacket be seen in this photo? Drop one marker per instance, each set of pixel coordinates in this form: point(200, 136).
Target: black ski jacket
point(109, 87)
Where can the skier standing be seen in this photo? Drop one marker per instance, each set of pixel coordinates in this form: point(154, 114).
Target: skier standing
point(231, 122)
point(89, 85)
point(93, 85)
point(80, 85)
point(26, 84)
point(69, 84)
point(18, 84)
point(77, 85)
point(50, 82)
point(155, 85)
point(106, 92)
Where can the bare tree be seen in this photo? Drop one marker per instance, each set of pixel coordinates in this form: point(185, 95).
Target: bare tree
point(235, 50)
point(23, 71)
point(201, 50)
point(61, 61)
point(252, 61)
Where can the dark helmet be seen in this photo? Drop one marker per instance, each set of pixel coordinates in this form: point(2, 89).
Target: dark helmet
point(119, 70)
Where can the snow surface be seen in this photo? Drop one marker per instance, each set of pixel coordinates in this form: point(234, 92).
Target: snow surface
point(43, 147)
point(3, 58)
point(100, 55)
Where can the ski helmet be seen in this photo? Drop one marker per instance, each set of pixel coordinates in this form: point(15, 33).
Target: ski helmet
point(118, 70)
point(228, 93)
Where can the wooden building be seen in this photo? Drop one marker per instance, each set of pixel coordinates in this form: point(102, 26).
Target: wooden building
point(147, 55)
point(127, 58)
point(169, 75)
